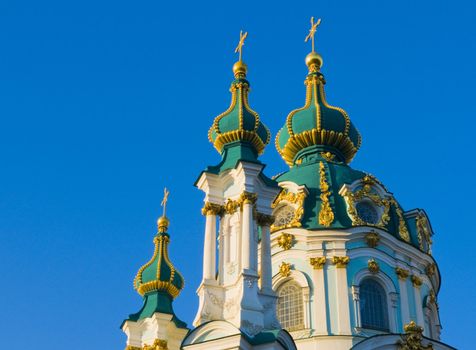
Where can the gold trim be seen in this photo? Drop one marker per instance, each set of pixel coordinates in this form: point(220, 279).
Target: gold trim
point(430, 270)
point(317, 263)
point(423, 233)
point(297, 199)
point(402, 225)
point(413, 338)
point(340, 261)
point(285, 241)
point(326, 215)
point(159, 344)
point(248, 198)
point(328, 156)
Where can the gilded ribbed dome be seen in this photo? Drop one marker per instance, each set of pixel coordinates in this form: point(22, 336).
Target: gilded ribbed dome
point(239, 122)
point(317, 123)
point(159, 274)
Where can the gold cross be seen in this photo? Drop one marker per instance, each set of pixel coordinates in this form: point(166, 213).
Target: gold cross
point(312, 31)
point(239, 48)
point(164, 201)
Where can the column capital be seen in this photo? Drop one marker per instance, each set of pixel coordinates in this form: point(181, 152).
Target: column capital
point(212, 209)
point(416, 281)
point(340, 261)
point(402, 273)
point(248, 197)
point(264, 220)
point(318, 262)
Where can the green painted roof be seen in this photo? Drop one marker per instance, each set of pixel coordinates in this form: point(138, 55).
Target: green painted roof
point(317, 124)
point(239, 122)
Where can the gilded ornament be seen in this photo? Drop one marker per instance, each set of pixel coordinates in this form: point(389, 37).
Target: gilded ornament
point(295, 199)
point(424, 234)
point(365, 192)
point(212, 209)
point(328, 156)
point(402, 226)
point(285, 241)
point(402, 273)
point(131, 347)
point(318, 262)
point(159, 344)
point(285, 269)
point(326, 215)
point(231, 206)
point(416, 281)
point(430, 270)
point(432, 297)
point(413, 338)
point(373, 266)
point(340, 261)
point(372, 239)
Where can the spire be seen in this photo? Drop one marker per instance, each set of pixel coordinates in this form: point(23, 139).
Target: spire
point(317, 126)
point(239, 125)
point(158, 281)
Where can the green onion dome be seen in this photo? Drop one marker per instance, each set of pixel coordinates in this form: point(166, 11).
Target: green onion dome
point(317, 123)
point(239, 122)
point(159, 274)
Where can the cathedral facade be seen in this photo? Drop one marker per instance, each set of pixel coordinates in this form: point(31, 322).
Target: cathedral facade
point(321, 256)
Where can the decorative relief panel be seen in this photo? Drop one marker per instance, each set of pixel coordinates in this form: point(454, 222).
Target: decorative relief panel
point(288, 210)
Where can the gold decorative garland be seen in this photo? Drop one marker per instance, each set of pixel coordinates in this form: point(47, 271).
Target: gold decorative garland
point(326, 215)
point(297, 199)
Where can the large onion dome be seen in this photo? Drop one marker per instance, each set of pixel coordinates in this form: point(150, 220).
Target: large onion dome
point(317, 124)
point(158, 281)
point(239, 123)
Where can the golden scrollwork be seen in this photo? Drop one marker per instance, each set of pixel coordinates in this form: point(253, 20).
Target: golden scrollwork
point(318, 262)
point(132, 347)
point(285, 269)
point(402, 226)
point(413, 338)
point(416, 281)
point(297, 200)
point(372, 239)
point(365, 192)
point(340, 261)
point(231, 206)
point(423, 232)
point(373, 266)
point(402, 273)
point(286, 241)
point(212, 209)
point(326, 215)
point(264, 219)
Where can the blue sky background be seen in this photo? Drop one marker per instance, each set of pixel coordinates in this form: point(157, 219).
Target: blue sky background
point(102, 104)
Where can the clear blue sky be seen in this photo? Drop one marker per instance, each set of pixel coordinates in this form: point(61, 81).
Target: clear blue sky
point(103, 103)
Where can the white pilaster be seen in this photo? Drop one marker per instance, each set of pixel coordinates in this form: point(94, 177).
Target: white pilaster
point(319, 296)
point(209, 247)
point(404, 304)
point(246, 237)
point(342, 297)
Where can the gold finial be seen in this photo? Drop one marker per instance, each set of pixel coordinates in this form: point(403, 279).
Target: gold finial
point(239, 48)
point(163, 222)
point(312, 32)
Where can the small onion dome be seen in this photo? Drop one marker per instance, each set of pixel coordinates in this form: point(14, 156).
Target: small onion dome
point(239, 122)
point(159, 274)
point(317, 123)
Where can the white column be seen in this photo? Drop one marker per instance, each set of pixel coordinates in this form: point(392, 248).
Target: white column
point(319, 296)
point(266, 273)
point(404, 305)
point(246, 234)
point(209, 248)
point(342, 297)
point(418, 305)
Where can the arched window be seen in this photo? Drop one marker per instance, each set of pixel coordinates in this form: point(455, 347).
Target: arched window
point(373, 305)
point(290, 306)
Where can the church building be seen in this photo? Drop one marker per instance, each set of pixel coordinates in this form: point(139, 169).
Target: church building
point(320, 257)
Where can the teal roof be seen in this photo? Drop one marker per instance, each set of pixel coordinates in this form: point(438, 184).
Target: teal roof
point(158, 281)
point(317, 123)
point(337, 174)
point(239, 122)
